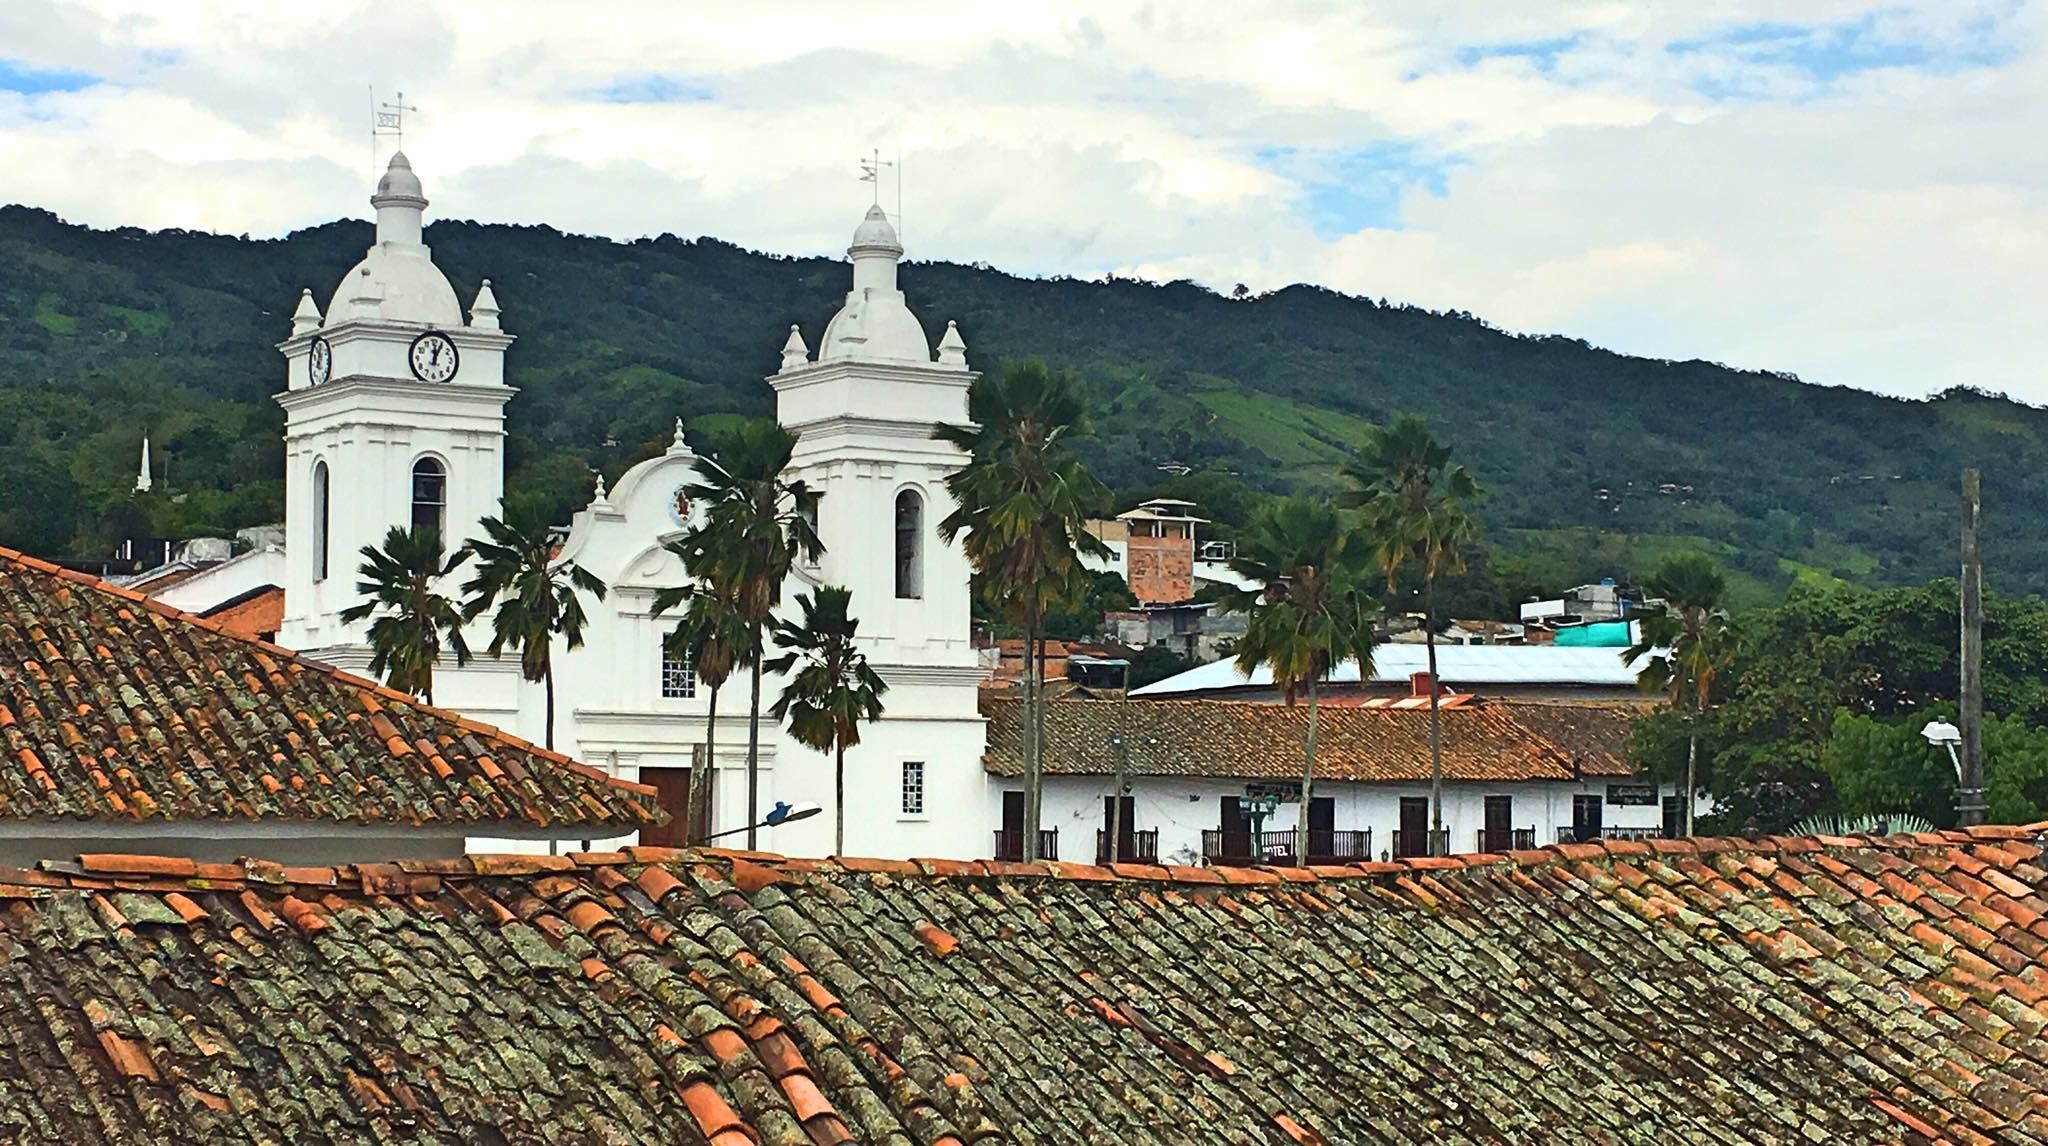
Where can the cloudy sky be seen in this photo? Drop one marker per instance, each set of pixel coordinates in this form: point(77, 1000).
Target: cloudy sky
point(1850, 190)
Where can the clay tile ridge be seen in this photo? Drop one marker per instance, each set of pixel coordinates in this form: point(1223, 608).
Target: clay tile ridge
point(337, 675)
point(170, 873)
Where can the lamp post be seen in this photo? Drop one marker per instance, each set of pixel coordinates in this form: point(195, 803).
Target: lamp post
point(781, 813)
point(1946, 735)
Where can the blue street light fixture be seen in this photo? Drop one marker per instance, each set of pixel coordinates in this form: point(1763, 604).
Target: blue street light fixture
point(781, 813)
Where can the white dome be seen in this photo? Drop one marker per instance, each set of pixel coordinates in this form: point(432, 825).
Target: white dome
point(875, 325)
point(399, 182)
point(396, 283)
point(875, 232)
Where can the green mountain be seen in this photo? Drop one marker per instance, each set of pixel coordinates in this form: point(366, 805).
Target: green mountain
point(1596, 463)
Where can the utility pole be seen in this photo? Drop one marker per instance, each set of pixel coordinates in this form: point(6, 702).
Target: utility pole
point(1970, 790)
point(1122, 783)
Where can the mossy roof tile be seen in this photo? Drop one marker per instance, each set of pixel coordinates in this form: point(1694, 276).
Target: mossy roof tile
point(114, 708)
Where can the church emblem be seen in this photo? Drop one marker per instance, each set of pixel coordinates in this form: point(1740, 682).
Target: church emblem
point(679, 506)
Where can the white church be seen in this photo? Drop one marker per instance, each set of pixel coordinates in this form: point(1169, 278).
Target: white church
point(395, 413)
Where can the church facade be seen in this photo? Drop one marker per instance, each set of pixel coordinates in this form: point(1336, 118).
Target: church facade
point(394, 406)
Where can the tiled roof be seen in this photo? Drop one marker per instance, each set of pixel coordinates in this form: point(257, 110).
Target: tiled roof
point(115, 707)
point(1490, 741)
point(256, 613)
point(1833, 990)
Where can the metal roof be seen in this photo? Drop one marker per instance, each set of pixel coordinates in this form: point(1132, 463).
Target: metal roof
point(1460, 666)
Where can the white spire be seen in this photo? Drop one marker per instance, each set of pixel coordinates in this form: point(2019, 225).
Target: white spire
point(401, 203)
point(676, 444)
point(874, 324)
point(483, 313)
point(795, 355)
point(142, 478)
point(306, 319)
point(953, 348)
point(874, 252)
point(602, 498)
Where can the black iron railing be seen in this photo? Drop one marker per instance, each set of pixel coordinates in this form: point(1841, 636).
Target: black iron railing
point(1240, 849)
point(1507, 839)
point(1138, 847)
point(1407, 844)
point(1010, 845)
point(1567, 834)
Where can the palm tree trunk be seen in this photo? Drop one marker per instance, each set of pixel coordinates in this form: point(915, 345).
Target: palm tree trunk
point(1692, 751)
point(838, 799)
point(1438, 842)
point(754, 748)
point(1034, 770)
point(699, 824)
point(547, 679)
point(1308, 781)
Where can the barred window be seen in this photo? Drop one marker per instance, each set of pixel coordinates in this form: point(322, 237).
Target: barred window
point(913, 787)
point(678, 676)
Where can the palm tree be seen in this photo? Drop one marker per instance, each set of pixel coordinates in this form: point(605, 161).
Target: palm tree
point(757, 524)
point(833, 690)
point(1309, 612)
point(1023, 500)
point(412, 620)
point(1415, 500)
point(1684, 641)
point(537, 597)
point(716, 640)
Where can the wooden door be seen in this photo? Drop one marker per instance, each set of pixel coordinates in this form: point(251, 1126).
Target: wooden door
point(1126, 834)
point(1010, 841)
point(1500, 823)
point(1233, 827)
point(1322, 826)
point(1414, 836)
point(1586, 817)
point(1674, 817)
point(671, 791)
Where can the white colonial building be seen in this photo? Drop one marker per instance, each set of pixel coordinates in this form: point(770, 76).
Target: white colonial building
point(394, 406)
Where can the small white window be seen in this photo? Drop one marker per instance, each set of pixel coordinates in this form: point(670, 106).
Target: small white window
point(913, 787)
point(678, 677)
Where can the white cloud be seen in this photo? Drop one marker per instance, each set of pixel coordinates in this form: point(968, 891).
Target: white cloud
point(1864, 204)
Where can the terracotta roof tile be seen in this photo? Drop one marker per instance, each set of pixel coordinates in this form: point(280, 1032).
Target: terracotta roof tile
point(1733, 991)
point(1491, 741)
point(118, 708)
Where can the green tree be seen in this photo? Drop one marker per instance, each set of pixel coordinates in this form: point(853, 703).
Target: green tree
point(1080, 619)
point(1884, 766)
point(413, 622)
point(757, 523)
point(532, 597)
point(832, 689)
point(715, 639)
point(1310, 611)
point(1417, 515)
point(1022, 500)
point(1684, 642)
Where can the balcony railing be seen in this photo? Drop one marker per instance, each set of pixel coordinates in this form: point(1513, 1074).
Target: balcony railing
point(1507, 840)
point(1138, 847)
point(1242, 849)
point(1567, 834)
point(1010, 845)
point(1408, 844)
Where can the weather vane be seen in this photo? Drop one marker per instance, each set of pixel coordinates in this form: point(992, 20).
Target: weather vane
point(871, 172)
point(387, 118)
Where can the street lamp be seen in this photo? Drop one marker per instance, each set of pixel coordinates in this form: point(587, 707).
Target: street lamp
point(1946, 735)
point(781, 813)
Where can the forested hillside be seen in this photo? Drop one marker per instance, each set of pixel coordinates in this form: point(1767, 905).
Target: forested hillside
point(1596, 463)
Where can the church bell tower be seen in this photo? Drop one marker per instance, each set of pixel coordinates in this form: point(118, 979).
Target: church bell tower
point(394, 416)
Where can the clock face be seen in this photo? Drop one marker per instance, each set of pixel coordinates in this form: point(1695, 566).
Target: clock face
point(319, 361)
point(679, 506)
point(433, 357)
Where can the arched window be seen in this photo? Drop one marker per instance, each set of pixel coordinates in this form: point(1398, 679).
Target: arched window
point(429, 495)
point(320, 521)
point(909, 545)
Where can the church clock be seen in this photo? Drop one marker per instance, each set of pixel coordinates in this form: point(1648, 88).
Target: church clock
point(319, 361)
point(433, 357)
